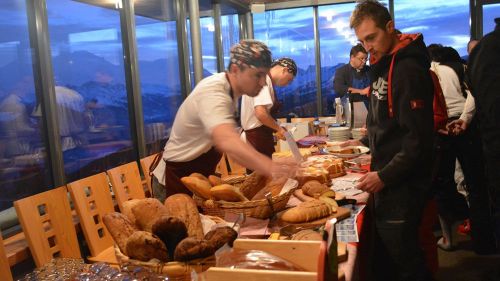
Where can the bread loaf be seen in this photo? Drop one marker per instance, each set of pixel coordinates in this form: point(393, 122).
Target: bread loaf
point(228, 193)
point(252, 184)
point(144, 246)
point(120, 228)
point(171, 231)
point(220, 236)
point(197, 186)
point(274, 186)
point(314, 188)
point(215, 180)
point(127, 209)
point(199, 176)
point(146, 211)
point(192, 248)
point(307, 211)
point(183, 207)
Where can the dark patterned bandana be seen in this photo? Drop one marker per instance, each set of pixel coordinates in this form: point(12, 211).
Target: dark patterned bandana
point(288, 63)
point(251, 53)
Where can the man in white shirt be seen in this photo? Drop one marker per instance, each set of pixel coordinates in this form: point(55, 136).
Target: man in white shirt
point(204, 126)
point(257, 118)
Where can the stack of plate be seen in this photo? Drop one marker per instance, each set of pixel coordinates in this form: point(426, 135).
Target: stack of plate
point(358, 133)
point(339, 133)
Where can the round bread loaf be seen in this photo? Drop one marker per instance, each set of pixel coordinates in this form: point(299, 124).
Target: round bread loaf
point(220, 236)
point(120, 228)
point(144, 246)
point(192, 248)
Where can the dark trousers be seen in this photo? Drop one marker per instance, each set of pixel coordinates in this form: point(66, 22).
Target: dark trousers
point(396, 253)
point(467, 149)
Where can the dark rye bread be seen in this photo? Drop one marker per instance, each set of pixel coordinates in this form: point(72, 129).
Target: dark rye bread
point(192, 248)
point(220, 236)
point(171, 231)
point(120, 228)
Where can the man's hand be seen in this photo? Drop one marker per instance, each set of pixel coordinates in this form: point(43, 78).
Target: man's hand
point(365, 91)
point(370, 182)
point(456, 127)
point(351, 143)
point(280, 134)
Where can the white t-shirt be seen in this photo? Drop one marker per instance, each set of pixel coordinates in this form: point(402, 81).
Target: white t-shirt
point(248, 119)
point(208, 106)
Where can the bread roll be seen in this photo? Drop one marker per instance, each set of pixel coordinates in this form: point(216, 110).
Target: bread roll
point(228, 193)
point(314, 188)
point(252, 184)
point(147, 211)
point(171, 231)
point(215, 180)
point(120, 228)
point(200, 176)
point(197, 186)
point(307, 211)
point(183, 207)
point(144, 246)
point(192, 248)
point(127, 209)
point(220, 236)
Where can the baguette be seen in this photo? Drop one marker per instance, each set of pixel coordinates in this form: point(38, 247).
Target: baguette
point(307, 211)
point(215, 180)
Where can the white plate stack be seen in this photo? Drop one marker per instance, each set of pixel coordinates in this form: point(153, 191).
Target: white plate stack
point(358, 133)
point(339, 133)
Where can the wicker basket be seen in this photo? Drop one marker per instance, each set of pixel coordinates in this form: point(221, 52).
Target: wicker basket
point(175, 271)
point(261, 209)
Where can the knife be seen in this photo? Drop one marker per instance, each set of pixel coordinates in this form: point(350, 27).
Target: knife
point(293, 147)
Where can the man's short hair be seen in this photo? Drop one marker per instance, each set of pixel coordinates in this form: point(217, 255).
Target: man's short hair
point(356, 49)
point(370, 9)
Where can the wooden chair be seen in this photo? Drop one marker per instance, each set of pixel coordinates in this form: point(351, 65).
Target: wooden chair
point(5, 273)
point(47, 223)
point(126, 183)
point(92, 200)
point(145, 164)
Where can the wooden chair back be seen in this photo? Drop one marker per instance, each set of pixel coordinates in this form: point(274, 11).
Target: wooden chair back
point(145, 164)
point(47, 223)
point(126, 183)
point(5, 273)
point(92, 200)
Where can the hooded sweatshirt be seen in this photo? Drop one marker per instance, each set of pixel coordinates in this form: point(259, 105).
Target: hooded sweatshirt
point(400, 122)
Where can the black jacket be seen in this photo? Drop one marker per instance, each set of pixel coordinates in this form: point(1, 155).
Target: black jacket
point(402, 145)
point(343, 80)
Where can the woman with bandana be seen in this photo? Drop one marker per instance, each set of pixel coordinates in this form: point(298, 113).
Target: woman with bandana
point(258, 118)
point(205, 126)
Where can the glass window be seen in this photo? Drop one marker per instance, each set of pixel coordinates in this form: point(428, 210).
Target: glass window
point(441, 22)
point(336, 41)
point(490, 12)
point(209, 57)
point(87, 58)
point(290, 33)
point(230, 34)
point(160, 79)
point(24, 169)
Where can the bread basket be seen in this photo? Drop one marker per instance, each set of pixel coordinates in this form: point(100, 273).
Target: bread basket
point(261, 209)
point(175, 271)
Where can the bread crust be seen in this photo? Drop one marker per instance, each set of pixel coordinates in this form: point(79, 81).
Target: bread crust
point(192, 248)
point(171, 231)
point(146, 211)
point(144, 246)
point(197, 186)
point(307, 211)
point(183, 207)
point(228, 193)
point(120, 228)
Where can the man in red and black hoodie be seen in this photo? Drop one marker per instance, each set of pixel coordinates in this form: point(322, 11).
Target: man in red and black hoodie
point(400, 137)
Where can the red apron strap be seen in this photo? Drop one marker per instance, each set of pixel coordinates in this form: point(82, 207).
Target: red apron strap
point(389, 88)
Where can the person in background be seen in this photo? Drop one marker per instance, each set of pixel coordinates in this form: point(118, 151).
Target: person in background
point(470, 46)
point(400, 136)
point(257, 113)
point(205, 125)
point(484, 81)
point(352, 78)
point(460, 141)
